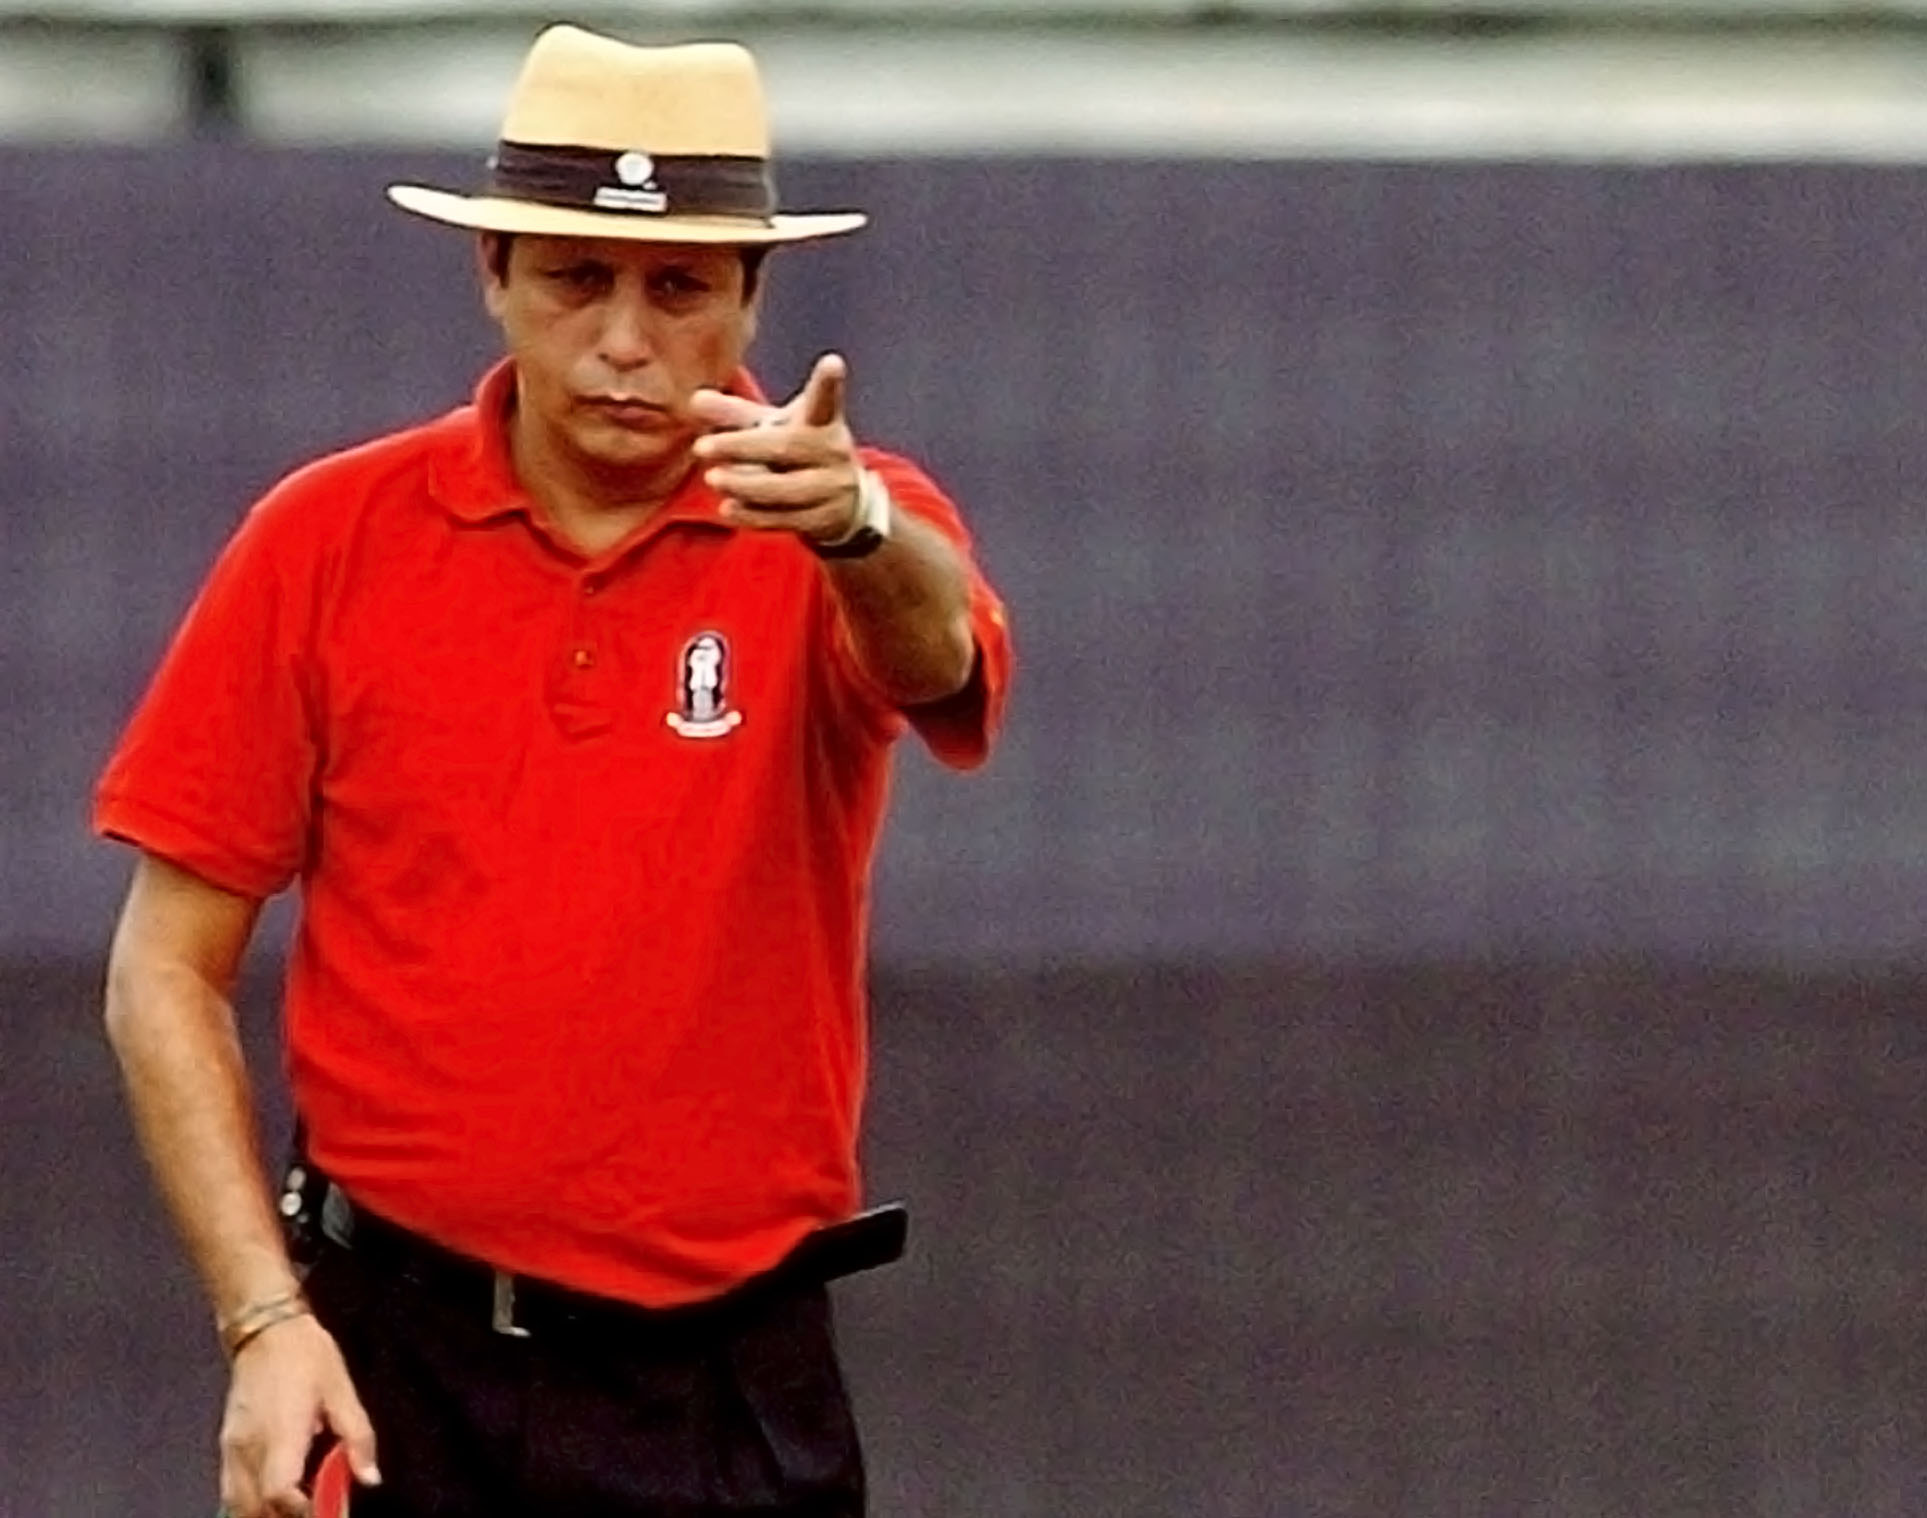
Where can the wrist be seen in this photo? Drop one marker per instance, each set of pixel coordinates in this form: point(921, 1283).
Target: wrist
point(242, 1283)
point(247, 1323)
point(869, 527)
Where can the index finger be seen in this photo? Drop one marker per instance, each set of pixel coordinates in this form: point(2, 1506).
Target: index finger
point(716, 408)
point(822, 399)
point(278, 1474)
point(285, 1498)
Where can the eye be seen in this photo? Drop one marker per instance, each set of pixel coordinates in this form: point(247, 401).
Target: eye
point(678, 284)
point(579, 279)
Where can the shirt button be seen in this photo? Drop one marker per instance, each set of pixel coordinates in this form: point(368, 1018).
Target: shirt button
point(590, 587)
point(584, 658)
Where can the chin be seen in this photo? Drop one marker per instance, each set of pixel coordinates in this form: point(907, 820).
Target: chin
point(615, 448)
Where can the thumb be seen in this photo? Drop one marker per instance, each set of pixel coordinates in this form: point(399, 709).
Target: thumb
point(822, 400)
point(349, 1420)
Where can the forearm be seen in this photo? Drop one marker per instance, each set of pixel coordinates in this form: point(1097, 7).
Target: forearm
point(795, 468)
point(907, 607)
point(174, 1035)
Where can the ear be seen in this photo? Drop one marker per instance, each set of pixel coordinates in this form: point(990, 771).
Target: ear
point(486, 256)
point(753, 310)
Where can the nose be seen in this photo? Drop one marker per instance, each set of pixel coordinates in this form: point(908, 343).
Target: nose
point(625, 339)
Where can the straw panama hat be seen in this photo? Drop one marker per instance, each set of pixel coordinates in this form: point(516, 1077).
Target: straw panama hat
point(605, 139)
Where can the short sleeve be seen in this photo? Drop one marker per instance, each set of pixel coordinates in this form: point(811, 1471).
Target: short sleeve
point(216, 770)
point(961, 729)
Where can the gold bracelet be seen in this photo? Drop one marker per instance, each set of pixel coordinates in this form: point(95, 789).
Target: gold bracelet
point(257, 1317)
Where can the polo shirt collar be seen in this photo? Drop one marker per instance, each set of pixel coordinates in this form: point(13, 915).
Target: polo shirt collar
point(474, 479)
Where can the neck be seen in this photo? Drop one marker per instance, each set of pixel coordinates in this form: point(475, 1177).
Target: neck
point(591, 505)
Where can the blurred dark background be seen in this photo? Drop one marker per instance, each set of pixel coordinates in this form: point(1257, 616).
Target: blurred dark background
point(1420, 1017)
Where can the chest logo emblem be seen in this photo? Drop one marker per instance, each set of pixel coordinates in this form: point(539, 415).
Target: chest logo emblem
point(702, 689)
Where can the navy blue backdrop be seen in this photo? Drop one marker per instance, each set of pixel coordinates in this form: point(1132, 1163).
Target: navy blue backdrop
point(1421, 1016)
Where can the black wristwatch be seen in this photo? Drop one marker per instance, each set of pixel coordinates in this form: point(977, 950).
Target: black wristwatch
point(871, 528)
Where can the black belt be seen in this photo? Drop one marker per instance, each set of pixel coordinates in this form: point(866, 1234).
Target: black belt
point(319, 1214)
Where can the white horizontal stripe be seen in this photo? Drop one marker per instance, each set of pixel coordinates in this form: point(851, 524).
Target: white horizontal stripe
point(1253, 95)
point(124, 87)
point(1229, 92)
point(617, 14)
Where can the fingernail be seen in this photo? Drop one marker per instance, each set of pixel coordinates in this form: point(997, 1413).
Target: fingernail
point(369, 1475)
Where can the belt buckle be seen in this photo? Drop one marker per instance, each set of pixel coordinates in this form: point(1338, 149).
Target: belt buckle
point(502, 1319)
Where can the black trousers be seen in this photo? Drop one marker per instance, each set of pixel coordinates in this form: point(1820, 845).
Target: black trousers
point(737, 1407)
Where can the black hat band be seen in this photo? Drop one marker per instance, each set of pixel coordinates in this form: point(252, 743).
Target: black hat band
point(633, 183)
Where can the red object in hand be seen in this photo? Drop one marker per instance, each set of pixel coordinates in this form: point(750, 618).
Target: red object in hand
point(332, 1482)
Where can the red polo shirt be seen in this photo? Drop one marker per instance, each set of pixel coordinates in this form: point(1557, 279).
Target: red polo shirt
point(583, 845)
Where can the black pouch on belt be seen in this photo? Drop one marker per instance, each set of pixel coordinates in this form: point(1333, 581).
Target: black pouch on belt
point(303, 1194)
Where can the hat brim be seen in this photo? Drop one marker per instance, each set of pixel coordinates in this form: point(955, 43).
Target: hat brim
point(489, 213)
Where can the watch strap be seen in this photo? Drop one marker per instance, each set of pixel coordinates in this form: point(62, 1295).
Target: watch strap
point(869, 527)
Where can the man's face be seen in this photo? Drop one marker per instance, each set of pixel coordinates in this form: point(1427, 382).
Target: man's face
point(610, 339)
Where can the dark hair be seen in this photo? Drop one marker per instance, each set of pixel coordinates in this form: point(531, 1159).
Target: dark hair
point(501, 242)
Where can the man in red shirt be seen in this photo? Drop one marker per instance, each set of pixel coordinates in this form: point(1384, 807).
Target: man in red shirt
point(570, 715)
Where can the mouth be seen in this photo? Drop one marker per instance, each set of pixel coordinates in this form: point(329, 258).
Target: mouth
point(629, 411)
